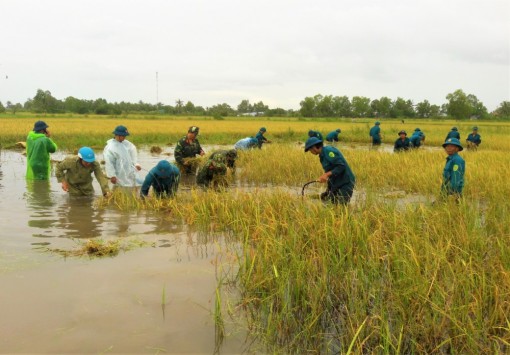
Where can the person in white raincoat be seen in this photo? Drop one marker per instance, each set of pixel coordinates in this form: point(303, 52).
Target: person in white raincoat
point(120, 158)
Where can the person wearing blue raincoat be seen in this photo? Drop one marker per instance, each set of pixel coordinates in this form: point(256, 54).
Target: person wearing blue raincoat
point(337, 173)
point(375, 133)
point(454, 133)
point(163, 178)
point(120, 156)
point(246, 143)
point(454, 169)
point(333, 135)
point(417, 138)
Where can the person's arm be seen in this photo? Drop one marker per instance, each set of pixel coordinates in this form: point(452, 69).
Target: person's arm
point(110, 160)
point(60, 172)
point(147, 183)
point(338, 167)
point(178, 153)
point(457, 176)
point(133, 154)
point(51, 146)
point(101, 178)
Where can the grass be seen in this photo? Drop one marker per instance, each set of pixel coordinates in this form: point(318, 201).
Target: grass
point(382, 275)
point(99, 248)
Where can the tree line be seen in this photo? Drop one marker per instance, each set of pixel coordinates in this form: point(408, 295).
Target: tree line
point(459, 105)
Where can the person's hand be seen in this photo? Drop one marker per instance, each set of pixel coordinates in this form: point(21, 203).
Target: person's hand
point(65, 186)
point(113, 180)
point(202, 152)
point(48, 134)
point(138, 167)
point(107, 194)
point(323, 178)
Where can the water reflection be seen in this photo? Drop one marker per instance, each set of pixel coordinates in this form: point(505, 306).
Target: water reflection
point(77, 218)
point(40, 205)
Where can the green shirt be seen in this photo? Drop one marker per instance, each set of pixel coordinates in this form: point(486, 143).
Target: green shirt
point(79, 177)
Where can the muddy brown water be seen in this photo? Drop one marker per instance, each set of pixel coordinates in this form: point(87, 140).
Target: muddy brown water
point(52, 304)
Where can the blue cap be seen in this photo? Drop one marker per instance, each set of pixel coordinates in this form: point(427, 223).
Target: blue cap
point(121, 131)
point(402, 132)
point(338, 130)
point(262, 129)
point(377, 123)
point(40, 126)
point(453, 141)
point(310, 142)
point(87, 154)
point(475, 128)
point(417, 130)
point(454, 128)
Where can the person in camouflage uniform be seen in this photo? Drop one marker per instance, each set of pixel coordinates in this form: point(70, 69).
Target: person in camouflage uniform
point(188, 147)
point(74, 173)
point(229, 155)
point(213, 169)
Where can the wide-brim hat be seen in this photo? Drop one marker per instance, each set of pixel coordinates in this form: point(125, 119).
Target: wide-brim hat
point(121, 131)
point(164, 169)
point(377, 123)
point(40, 126)
point(453, 141)
point(262, 129)
point(454, 128)
point(475, 128)
point(310, 142)
point(402, 132)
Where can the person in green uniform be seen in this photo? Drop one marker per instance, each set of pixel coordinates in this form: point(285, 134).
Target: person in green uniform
point(39, 147)
point(164, 179)
point(260, 137)
point(474, 139)
point(333, 135)
point(213, 169)
point(74, 173)
point(454, 169)
point(402, 143)
point(188, 147)
point(337, 173)
point(317, 134)
point(454, 133)
point(375, 133)
point(417, 138)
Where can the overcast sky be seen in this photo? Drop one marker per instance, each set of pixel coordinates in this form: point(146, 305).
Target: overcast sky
point(278, 52)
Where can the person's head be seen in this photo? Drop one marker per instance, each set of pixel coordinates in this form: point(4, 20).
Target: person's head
point(40, 127)
point(338, 130)
point(87, 156)
point(164, 169)
point(454, 128)
point(402, 134)
point(377, 123)
point(475, 129)
point(120, 133)
point(231, 155)
point(452, 146)
point(192, 133)
point(417, 130)
point(262, 130)
point(219, 158)
point(314, 145)
point(311, 133)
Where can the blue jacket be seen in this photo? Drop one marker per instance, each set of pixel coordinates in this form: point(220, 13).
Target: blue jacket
point(342, 176)
point(332, 136)
point(452, 134)
point(402, 145)
point(164, 179)
point(453, 175)
point(375, 133)
point(416, 138)
point(317, 134)
point(475, 138)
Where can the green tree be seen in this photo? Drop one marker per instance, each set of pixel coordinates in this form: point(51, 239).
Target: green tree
point(75, 105)
point(223, 110)
point(342, 106)
point(189, 107)
point(324, 106)
point(477, 107)
point(44, 102)
point(381, 107)
point(458, 105)
point(2, 108)
point(260, 107)
point(503, 111)
point(423, 109)
point(244, 107)
point(178, 106)
point(307, 107)
point(361, 106)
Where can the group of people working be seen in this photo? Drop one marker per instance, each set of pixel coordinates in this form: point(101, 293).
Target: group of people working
point(74, 173)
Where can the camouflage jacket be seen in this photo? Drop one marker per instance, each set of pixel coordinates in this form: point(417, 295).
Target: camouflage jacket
point(210, 169)
point(183, 149)
point(79, 177)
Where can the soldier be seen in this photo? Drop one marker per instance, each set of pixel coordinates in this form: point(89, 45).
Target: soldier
point(417, 138)
point(375, 133)
point(39, 147)
point(454, 133)
point(474, 139)
point(337, 172)
point(164, 179)
point(213, 168)
point(317, 134)
point(75, 174)
point(260, 137)
point(229, 155)
point(402, 143)
point(453, 173)
point(120, 156)
point(188, 147)
point(333, 136)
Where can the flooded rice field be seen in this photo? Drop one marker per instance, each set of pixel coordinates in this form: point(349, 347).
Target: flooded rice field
point(152, 299)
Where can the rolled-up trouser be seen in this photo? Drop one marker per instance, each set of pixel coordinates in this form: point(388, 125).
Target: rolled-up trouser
point(341, 195)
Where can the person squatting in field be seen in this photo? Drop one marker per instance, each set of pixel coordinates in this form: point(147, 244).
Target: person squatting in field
point(402, 143)
point(417, 138)
point(246, 143)
point(164, 180)
point(188, 147)
point(229, 155)
point(337, 173)
point(212, 171)
point(121, 156)
point(260, 137)
point(473, 140)
point(454, 169)
point(39, 147)
point(74, 173)
point(333, 135)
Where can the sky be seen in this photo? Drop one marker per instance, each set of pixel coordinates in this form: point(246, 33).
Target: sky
point(279, 51)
